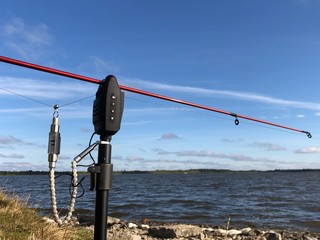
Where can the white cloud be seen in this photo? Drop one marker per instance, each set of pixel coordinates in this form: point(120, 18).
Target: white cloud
point(309, 150)
point(29, 41)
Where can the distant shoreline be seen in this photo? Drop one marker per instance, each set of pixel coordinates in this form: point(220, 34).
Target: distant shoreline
point(189, 171)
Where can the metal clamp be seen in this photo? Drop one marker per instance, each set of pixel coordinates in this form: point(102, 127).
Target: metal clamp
point(104, 172)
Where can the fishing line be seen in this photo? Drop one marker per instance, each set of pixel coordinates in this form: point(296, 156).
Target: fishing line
point(82, 99)
point(212, 115)
point(43, 103)
point(23, 96)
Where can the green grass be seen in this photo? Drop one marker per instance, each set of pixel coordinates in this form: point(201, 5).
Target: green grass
point(17, 221)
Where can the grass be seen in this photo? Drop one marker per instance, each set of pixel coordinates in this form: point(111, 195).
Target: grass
point(17, 221)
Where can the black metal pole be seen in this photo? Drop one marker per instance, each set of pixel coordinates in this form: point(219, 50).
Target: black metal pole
point(103, 184)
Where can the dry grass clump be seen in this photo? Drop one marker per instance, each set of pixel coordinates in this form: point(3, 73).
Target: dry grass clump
point(17, 221)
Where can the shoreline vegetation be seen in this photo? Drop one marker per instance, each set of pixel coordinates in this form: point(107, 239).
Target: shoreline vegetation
point(18, 221)
point(189, 171)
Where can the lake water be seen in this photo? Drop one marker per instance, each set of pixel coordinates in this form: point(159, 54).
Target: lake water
point(288, 200)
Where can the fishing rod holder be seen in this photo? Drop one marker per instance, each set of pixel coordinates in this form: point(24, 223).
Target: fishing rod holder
point(107, 114)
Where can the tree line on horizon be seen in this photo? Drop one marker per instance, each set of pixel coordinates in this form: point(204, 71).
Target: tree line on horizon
point(189, 171)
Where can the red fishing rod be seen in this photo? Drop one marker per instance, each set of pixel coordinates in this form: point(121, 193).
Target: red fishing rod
point(150, 94)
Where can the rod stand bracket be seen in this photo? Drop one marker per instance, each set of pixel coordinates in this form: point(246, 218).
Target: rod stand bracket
point(103, 172)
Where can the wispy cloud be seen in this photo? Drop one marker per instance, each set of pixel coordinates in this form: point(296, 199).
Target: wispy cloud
point(223, 93)
point(21, 166)
point(305, 1)
point(140, 163)
point(233, 140)
point(169, 136)
point(268, 146)
point(210, 154)
point(98, 67)
point(13, 155)
point(29, 41)
point(45, 89)
point(309, 150)
point(9, 141)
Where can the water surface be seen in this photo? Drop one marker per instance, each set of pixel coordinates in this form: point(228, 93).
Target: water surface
point(288, 200)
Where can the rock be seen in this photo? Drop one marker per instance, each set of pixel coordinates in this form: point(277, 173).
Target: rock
point(132, 225)
point(310, 238)
point(259, 232)
point(144, 226)
point(208, 229)
point(261, 238)
point(112, 220)
point(201, 237)
point(124, 236)
point(231, 232)
point(175, 231)
point(48, 220)
point(245, 231)
point(271, 235)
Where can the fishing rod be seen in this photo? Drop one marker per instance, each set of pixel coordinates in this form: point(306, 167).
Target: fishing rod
point(149, 94)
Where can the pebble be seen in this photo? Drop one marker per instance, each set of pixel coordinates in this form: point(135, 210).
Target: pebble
point(245, 230)
point(145, 226)
point(132, 225)
point(120, 230)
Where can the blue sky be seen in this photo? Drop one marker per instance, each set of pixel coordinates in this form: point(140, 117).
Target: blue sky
point(256, 58)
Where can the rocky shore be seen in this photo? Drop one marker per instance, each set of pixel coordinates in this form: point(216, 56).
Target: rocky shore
point(146, 230)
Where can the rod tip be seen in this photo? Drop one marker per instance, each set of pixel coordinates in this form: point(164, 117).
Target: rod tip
point(308, 134)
